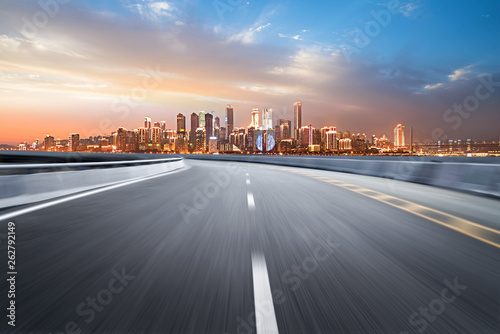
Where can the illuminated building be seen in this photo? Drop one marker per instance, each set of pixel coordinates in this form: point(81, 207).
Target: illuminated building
point(331, 141)
point(345, 144)
point(163, 125)
point(73, 142)
point(156, 135)
point(212, 145)
point(255, 119)
point(181, 144)
point(216, 122)
point(229, 120)
point(121, 139)
point(267, 119)
point(303, 137)
point(48, 142)
point(285, 130)
point(194, 126)
point(148, 125)
point(297, 116)
point(399, 136)
point(181, 123)
point(200, 140)
point(202, 119)
point(209, 126)
point(143, 135)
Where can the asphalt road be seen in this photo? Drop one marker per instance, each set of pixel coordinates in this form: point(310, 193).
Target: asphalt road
point(202, 249)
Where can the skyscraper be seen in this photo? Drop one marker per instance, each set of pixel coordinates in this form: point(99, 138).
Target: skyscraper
point(200, 140)
point(194, 125)
point(121, 139)
point(399, 136)
point(297, 116)
point(216, 122)
point(181, 123)
point(267, 119)
point(209, 126)
point(255, 119)
point(202, 119)
point(229, 120)
point(148, 126)
point(74, 141)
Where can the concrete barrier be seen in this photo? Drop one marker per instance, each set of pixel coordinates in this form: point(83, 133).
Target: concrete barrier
point(24, 187)
point(476, 176)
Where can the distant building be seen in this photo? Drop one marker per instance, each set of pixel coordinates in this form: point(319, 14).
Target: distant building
point(399, 136)
point(181, 123)
point(209, 126)
point(200, 140)
point(73, 142)
point(121, 139)
point(194, 125)
point(297, 116)
point(212, 145)
point(255, 119)
point(202, 119)
point(229, 120)
point(148, 126)
point(267, 119)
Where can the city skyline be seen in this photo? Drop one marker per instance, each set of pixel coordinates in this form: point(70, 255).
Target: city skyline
point(158, 58)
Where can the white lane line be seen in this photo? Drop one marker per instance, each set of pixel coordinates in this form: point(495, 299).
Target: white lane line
point(84, 194)
point(251, 202)
point(264, 308)
point(248, 181)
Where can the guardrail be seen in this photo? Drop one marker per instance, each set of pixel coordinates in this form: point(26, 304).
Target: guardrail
point(27, 183)
point(473, 177)
point(55, 167)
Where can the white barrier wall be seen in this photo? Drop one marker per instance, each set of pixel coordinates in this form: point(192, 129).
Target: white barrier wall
point(28, 188)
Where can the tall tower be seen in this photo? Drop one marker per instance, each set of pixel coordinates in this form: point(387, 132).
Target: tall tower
point(297, 116)
point(148, 126)
point(399, 136)
point(216, 122)
point(229, 120)
point(202, 119)
point(194, 125)
point(255, 119)
point(267, 119)
point(181, 123)
point(209, 126)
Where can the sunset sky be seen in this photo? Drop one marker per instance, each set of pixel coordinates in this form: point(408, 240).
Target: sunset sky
point(91, 66)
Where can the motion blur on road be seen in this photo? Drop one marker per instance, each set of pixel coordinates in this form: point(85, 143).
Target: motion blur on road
point(182, 253)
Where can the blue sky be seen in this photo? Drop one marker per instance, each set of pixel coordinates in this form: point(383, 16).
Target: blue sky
point(88, 61)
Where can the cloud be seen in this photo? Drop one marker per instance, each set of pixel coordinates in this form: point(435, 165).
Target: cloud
point(248, 36)
point(154, 11)
point(461, 73)
point(294, 37)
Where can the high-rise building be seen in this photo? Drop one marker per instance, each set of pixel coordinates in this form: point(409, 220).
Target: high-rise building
point(297, 116)
point(194, 125)
point(163, 125)
point(202, 119)
point(285, 131)
point(181, 123)
point(229, 120)
point(143, 135)
point(216, 122)
point(331, 141)
point(200, 140)
point(148, 126)
point(303, 137)
point(255, 119)
point(74, 141)
point(399, 136)
point(212, 145)
point(121, 139)
point(48, 143)
point(267, 119)
point(209, 126)
point(156, 135)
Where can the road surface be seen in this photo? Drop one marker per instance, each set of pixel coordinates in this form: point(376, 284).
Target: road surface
point(223, 247)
